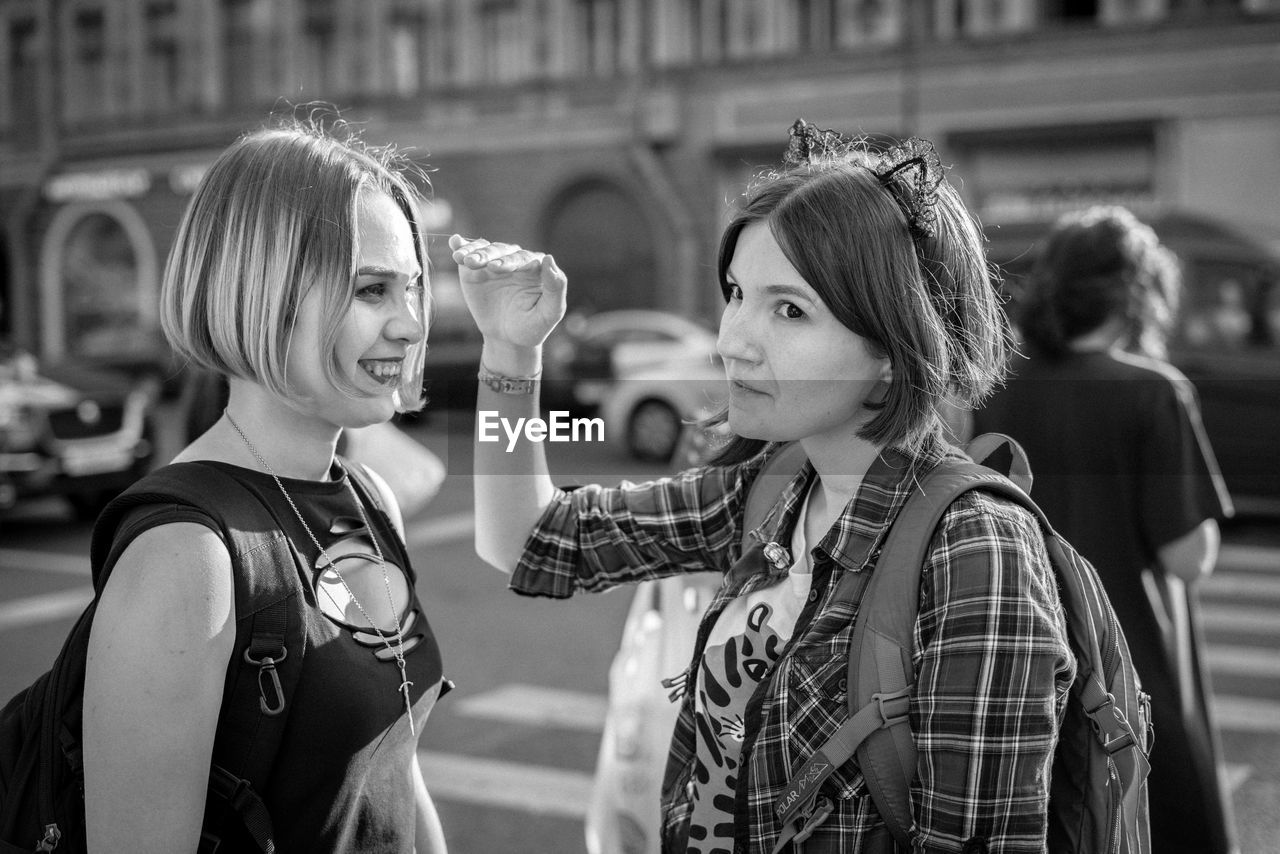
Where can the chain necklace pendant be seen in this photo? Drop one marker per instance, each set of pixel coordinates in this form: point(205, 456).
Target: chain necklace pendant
point(398, 649)
point(408, 701)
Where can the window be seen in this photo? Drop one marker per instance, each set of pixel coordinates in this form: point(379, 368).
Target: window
point(241, 59)
point(319, 48)
point(502, 42)
point(99, 275)
point(86, 94)
point(407, 49)
point(163, 81)
point(24, 83)
point(599, 33)
point(859, 22)
point(813, 24)
point(1228, 307)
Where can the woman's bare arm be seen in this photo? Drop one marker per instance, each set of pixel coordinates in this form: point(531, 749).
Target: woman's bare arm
point(158, 651)
point(516, 297)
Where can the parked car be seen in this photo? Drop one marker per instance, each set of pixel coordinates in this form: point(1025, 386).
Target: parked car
point(587, 354)
point(71, 430)
point(453, 346)
point(647, 407)
point(1227, 339)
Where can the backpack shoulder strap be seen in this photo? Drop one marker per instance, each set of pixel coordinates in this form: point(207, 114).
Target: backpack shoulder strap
point(271, 632)
point(880, 671)
point(880, 674)
point(777, 472)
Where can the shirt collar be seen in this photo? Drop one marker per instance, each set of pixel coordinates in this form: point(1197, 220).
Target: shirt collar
point(860, 526)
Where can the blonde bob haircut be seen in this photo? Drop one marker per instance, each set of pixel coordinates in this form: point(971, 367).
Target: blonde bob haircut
point(275, 216)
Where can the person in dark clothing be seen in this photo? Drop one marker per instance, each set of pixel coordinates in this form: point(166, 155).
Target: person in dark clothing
point(1124, 471)
point(298, 274)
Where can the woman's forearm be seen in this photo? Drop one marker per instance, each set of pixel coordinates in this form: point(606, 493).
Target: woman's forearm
point(512, 483)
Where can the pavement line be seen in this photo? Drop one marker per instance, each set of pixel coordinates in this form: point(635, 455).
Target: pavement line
point(43, 608)
point(1236, 775)
point(1236, 556)
point(1241, 618)
point(1246, 714)
point(537, 706)
point(441, 529)
point(493, 783)
point(1252, 585)
point(1253, 661)
point(30, 559)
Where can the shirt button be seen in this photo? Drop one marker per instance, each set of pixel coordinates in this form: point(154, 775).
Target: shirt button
point(813, 595)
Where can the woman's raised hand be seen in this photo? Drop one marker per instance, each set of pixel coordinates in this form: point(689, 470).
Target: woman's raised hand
point(516, 296)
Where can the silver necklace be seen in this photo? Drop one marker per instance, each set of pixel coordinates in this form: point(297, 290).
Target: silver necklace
point(398, 649)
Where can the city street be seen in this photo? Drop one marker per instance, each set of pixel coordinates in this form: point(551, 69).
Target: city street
point(509, 755)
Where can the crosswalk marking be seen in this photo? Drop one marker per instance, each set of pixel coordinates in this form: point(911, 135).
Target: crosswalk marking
point(1237, 557)
point(43, 608)
point(1243, 661)
point(37, 561)
point(531, 788)
point(1246, 714)
point(1241, 618)
point(537, 706)
point(1253, 585)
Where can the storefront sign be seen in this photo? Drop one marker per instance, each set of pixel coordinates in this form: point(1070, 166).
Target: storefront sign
point(98, 186)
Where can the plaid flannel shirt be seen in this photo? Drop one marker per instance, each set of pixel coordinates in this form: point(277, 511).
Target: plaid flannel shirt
point(990, 654)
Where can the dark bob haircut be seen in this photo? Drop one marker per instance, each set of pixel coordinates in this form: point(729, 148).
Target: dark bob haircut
point(928, 303)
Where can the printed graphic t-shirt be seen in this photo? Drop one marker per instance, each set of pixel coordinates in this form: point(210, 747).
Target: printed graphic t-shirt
point(741, 650)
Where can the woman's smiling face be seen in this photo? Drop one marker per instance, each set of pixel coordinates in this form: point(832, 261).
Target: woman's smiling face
point(794, 370)
point(381, 323)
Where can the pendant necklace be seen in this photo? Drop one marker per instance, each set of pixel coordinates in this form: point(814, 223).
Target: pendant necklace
point(398, 649)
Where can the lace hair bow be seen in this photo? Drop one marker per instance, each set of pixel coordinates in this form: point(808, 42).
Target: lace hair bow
point(910, 170)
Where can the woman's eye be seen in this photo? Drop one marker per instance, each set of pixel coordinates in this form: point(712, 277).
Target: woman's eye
point(791, 311)
point(735, 292)
point(371, 292)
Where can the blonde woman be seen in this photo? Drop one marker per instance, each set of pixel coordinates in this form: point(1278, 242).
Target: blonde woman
point(298, 272)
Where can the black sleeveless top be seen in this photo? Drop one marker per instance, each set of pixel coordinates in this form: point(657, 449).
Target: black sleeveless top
point(341, 779)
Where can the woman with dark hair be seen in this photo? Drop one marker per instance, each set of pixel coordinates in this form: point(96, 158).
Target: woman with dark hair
point(1125, 472)
point(857, 300)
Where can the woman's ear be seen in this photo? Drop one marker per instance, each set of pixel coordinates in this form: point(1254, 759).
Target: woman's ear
point(880, 392)
point(886, 371)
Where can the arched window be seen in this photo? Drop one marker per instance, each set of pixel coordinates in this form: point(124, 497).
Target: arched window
point(600, 236)
point(99, 284)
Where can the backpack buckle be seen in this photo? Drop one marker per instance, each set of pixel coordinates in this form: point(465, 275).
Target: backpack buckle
point(267, 671)
point(894, 707)
point(822, 809)
point(237, 796)
point(1112, 730)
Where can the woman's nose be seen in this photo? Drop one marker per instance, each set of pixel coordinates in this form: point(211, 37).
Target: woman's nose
point(406, 325)
point(734, 340)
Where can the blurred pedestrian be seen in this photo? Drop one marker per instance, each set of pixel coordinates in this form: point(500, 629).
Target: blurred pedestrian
point(1125, 472)
point(298, 273)
point(856, 297)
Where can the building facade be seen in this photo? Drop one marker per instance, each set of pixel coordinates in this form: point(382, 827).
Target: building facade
point(613, 133)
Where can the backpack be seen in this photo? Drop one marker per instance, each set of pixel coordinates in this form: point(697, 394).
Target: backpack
point(41, 768)
point(1098, 796)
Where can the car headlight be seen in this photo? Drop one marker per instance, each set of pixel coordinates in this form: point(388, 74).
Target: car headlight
point(19, 428)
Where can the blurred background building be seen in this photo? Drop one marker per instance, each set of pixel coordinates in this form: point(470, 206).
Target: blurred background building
point(612, 132)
